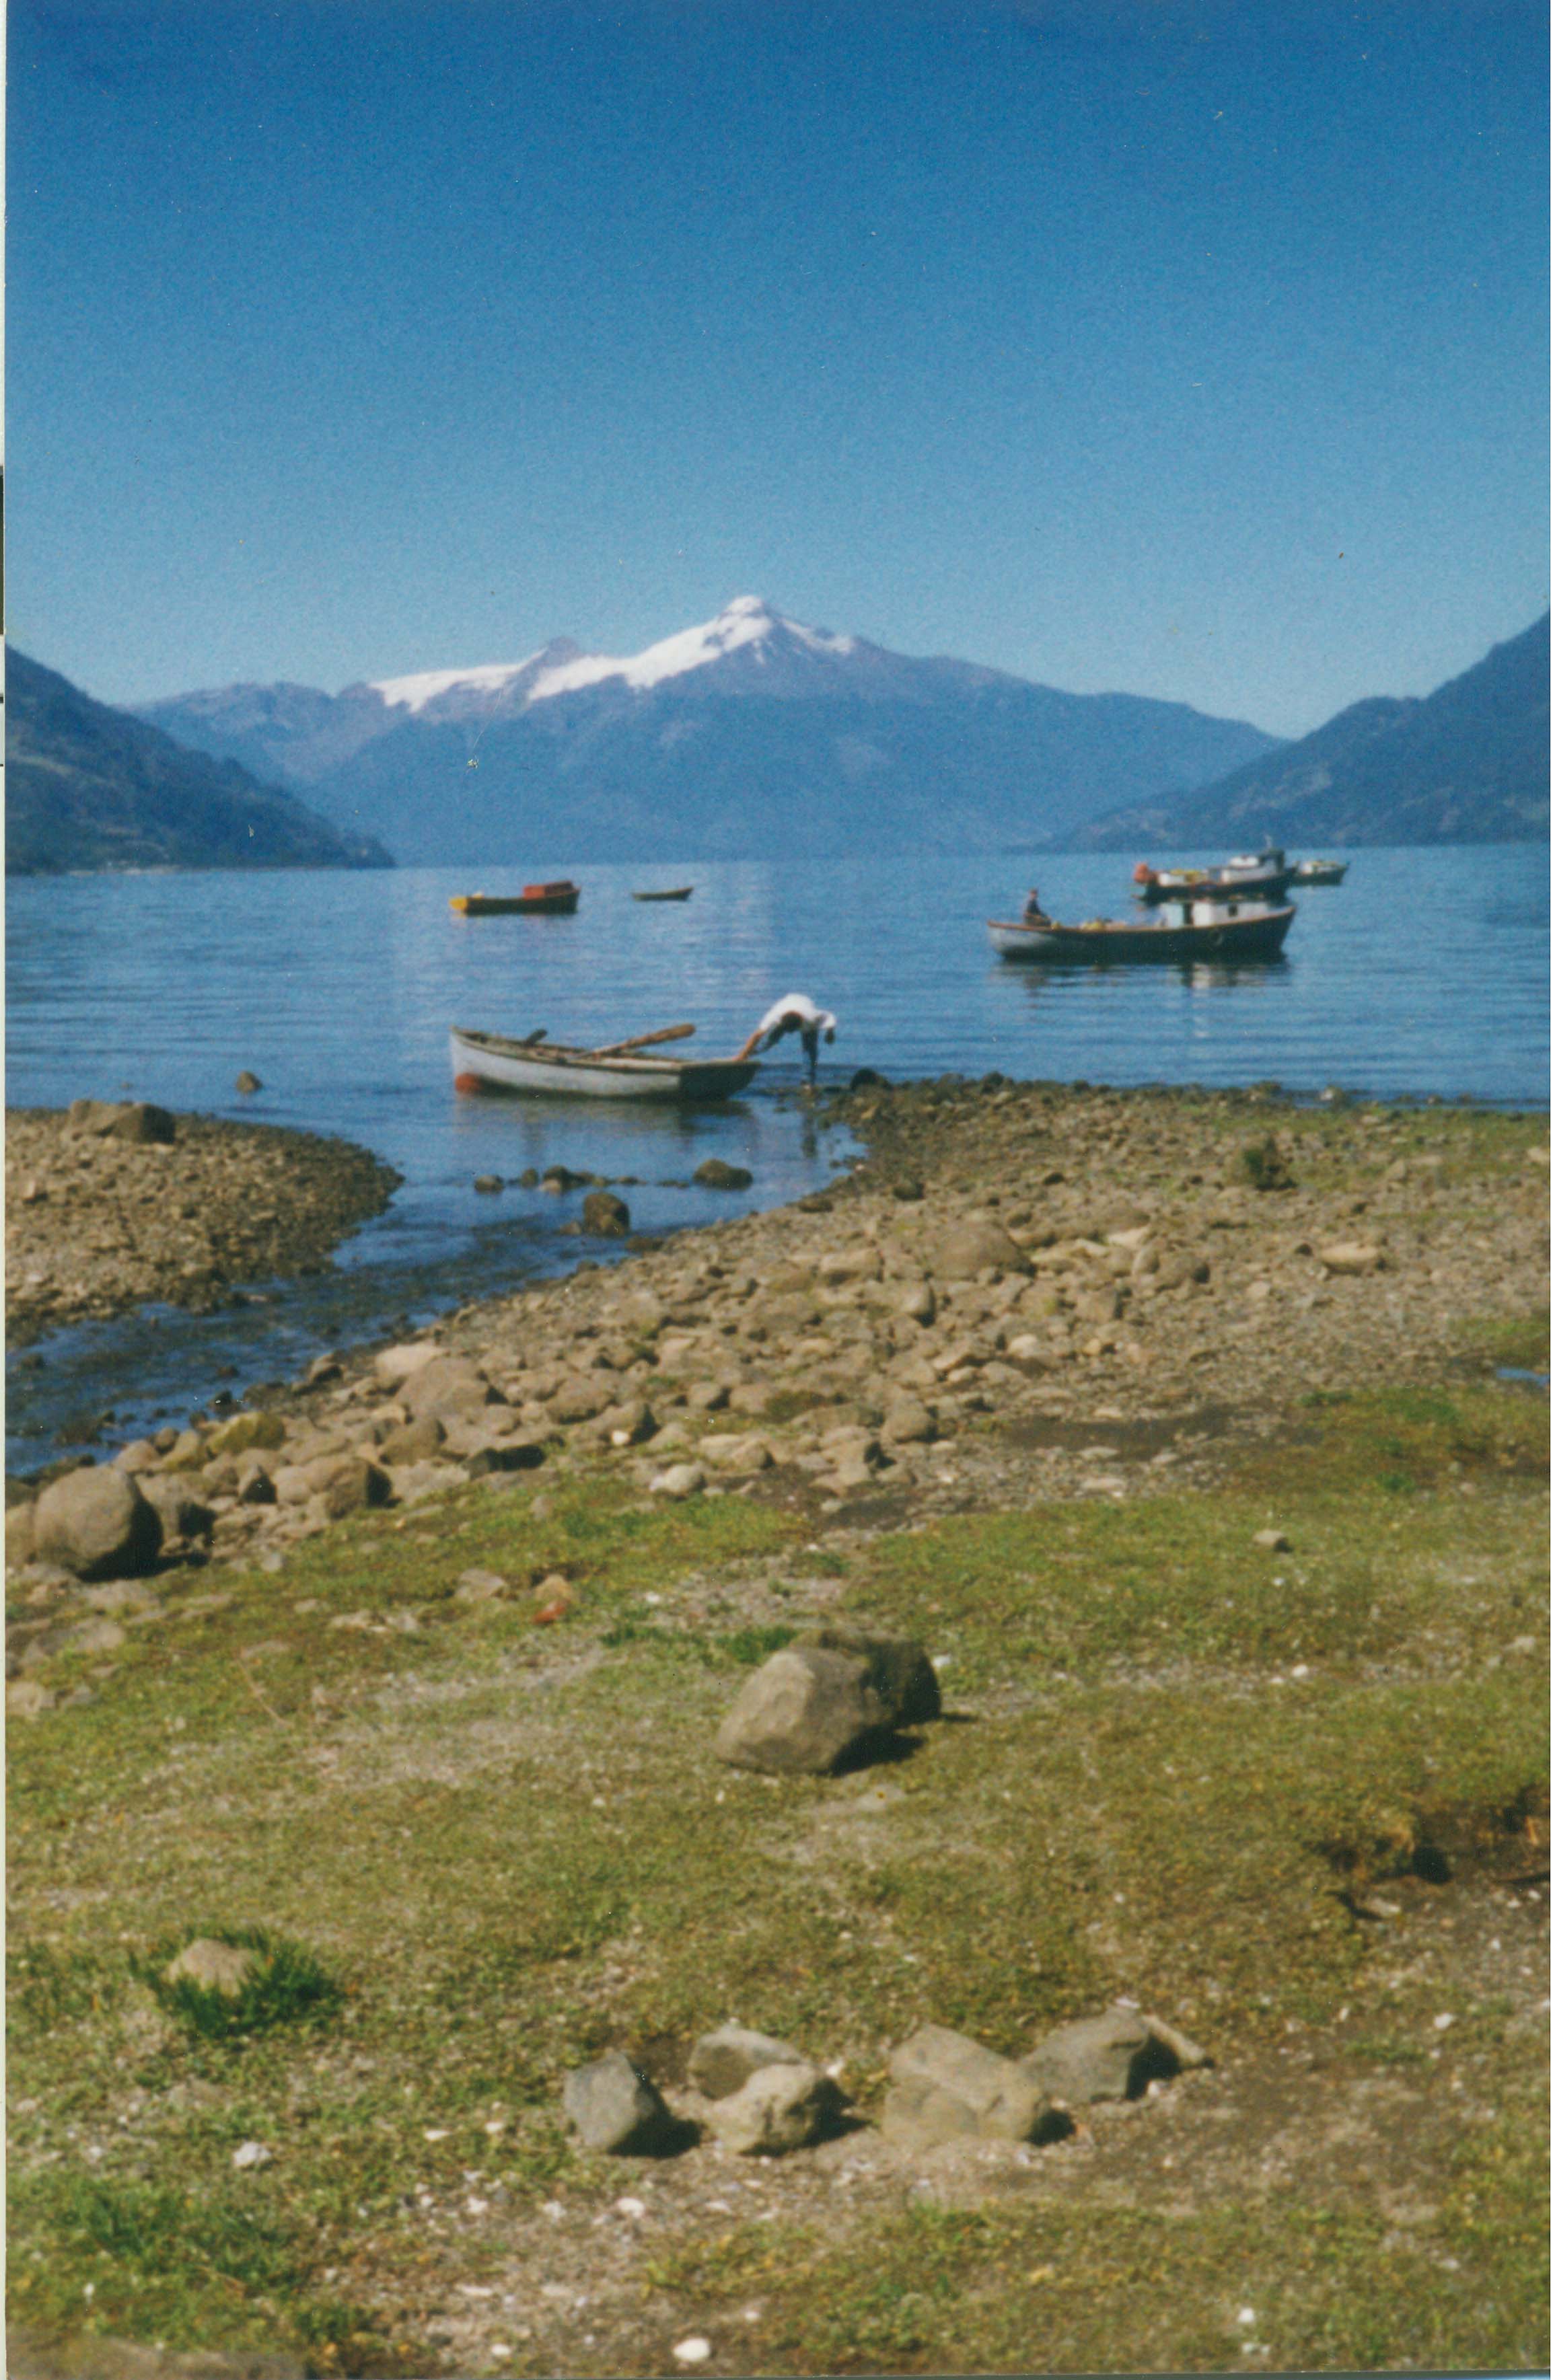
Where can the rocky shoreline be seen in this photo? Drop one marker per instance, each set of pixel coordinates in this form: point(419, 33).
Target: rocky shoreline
point(108, 1206)
point(1023, 1291)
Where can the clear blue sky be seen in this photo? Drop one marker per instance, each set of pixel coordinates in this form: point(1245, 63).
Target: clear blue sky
point(1189, 349)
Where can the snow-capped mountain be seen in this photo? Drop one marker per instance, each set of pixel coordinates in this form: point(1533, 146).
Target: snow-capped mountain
point(748, 735)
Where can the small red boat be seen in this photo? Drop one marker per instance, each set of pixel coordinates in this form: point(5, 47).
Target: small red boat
point(534, 901)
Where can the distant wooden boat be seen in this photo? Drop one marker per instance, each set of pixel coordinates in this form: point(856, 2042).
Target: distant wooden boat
point(1319, 871)
point(1225, 930)
point(534, 901)
point(625, 1070)
point(679, 893)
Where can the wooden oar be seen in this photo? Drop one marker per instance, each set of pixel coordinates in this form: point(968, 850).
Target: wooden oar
point(542, 1032)
point(644, 1041)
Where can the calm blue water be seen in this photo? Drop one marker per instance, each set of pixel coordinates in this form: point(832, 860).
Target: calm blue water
point(1425, 973)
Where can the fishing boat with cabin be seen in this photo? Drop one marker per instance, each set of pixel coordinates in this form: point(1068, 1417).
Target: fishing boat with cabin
point(1223, 931)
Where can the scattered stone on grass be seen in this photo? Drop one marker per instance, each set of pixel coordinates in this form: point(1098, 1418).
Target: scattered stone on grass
point(946, 2087)
point(832, 1699)
point(616, 2110)
point(721, 2062)
point(779, 2108)
point(1114, 2056)
point(679, 1481)
point(1274, 1541)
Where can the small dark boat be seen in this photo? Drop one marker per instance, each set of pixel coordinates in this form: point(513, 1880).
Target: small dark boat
point(1261, 875)
point(558, 900)
point(1224, 930)
point(679, 893)
point(1319, 871)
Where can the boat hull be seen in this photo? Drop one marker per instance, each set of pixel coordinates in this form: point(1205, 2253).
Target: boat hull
point(489, 1061)
point(1107, 944)
point(552, 901)
point(679, 893)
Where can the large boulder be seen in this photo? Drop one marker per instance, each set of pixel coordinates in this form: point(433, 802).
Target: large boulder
point(971, 1248)
point(946, 2087)
point(141, 1123)
point(716, 1174)
point(97, 1523)
point(616, 2110)
point(829, 1700)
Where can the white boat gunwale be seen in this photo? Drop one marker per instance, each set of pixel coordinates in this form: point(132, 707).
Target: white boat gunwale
point(501, 1062)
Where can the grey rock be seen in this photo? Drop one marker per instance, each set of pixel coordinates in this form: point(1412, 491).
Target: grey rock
point(141, 1123)
point(355, 1486)
point(487, 1183)
point(582, 1399)
point(413, 1441)
point(908, 1422)
point(917, 1303)
point(803, 1712)
point(779, 2108)
point(21, 1534)
point(1110, 2057)
point(967, 1248)
point(183, 1514)
point(616, 2110)
point(721, 2062)
point(605, 1215)
point(898, 1670)
point(502, 1455)
point(247, 1082)
point(716, 1175)
point(947, 2087)
point(445, 1387)
point(679, 1480)
point(96, 1523)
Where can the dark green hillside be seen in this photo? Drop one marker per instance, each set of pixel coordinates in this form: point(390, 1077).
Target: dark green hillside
point(88, 788)
point(1467, 764)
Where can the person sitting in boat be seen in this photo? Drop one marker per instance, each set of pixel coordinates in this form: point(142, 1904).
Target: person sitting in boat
point(1032, 914)
point(794, 1013)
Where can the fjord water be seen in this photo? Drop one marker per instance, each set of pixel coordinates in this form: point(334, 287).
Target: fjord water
point(1425, 973)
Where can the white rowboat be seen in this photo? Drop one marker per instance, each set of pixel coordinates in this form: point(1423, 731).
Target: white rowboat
point(490, 1062)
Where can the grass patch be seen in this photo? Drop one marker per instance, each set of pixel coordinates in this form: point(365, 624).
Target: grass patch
point(284, 1984)
point(1171, 1759)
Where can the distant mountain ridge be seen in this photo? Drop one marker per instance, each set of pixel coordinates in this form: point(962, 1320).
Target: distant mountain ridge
point(89, 787)
point(748, 736)
point(1467, 763)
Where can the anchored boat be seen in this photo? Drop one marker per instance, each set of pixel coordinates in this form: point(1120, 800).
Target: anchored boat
point(534, 901)
point(679, 893)
point(1261, 875)
point(1226, 931)
point(1319, 871)
point(624, 1069)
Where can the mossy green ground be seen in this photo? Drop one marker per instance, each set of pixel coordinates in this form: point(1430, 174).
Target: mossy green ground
point(1173, 1764)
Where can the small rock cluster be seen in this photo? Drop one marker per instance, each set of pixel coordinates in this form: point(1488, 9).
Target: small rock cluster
point(762, 2097)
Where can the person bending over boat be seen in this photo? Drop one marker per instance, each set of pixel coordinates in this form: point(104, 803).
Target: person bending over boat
point(794, 1013)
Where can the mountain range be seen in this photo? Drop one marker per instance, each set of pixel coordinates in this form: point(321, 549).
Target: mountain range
point(89, 787)
point(750, 736)
point(1465, 764)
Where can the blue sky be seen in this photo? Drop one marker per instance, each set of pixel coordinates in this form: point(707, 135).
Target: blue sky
point(1188, 350)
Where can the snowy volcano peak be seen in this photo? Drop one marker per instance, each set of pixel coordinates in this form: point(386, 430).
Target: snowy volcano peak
point(747, 624)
